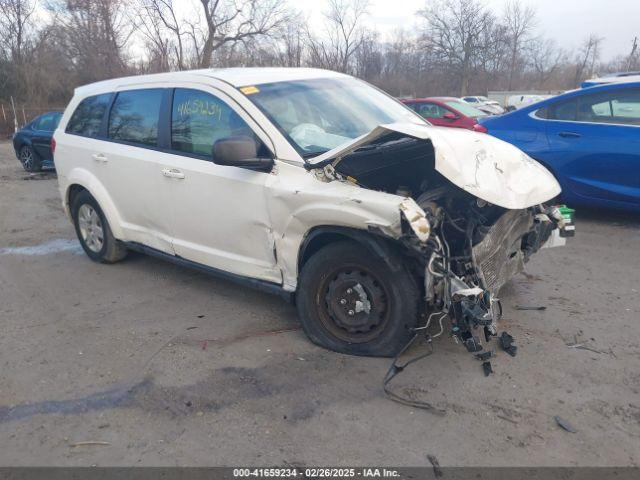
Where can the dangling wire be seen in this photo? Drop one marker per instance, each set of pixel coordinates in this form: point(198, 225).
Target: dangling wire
point(396, 368)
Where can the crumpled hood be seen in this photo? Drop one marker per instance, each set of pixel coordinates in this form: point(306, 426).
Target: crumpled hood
point(480, 164)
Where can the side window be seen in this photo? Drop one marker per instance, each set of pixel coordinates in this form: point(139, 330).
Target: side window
point(198, 120)
point(566, 110)
point(431, 110)
point(134, 116)
point(542, 112)
point(47, 122)
point(618, 106)
point(87, 117)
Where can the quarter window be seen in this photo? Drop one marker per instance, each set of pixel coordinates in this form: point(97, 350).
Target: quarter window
point(87, 117)
point(134, 116)
point(564, 110)
point(198, 120)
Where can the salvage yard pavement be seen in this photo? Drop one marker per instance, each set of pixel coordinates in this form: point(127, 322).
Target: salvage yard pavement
point(147, 363)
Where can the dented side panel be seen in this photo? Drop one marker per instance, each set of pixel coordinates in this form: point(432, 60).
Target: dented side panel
point(299, 202)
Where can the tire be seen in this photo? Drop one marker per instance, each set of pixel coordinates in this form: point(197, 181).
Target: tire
point(29, 159)
point(93, 230)
point(328, 295)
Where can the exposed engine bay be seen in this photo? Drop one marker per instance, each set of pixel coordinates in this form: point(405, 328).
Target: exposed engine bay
point(473, 247)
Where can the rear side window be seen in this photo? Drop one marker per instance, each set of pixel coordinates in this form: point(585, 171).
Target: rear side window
point(47, 122)
point(134, 116)
point(566, 110)
point(87, 118)
point(198, 120)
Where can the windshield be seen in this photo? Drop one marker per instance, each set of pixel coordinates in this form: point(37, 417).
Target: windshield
point(321, 114)
point(466, 109)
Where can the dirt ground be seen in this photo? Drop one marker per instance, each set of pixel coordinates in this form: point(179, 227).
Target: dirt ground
point(171, 367)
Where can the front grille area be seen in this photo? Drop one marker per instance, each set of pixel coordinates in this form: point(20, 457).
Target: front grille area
point(499, 255)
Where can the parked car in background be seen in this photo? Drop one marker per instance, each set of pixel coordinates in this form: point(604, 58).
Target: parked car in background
point(32, 143)
point(310, 184)
point(475, 99)
point(589, 138)
point(447, 112)
point(612, 78)
point(514, 102)
point(482, 103)
point(491, 107)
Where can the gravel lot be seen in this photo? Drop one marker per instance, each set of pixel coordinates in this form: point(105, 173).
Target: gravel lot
point(171, 367)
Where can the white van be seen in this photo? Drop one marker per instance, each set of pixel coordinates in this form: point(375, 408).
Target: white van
point(310, 184)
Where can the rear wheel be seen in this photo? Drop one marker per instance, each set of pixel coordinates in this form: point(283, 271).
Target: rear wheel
point(29, 159)
point(93, 230)
point(351, 301)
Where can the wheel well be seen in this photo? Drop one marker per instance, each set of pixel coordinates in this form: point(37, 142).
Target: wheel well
point(320, 237)
point(314, 242)
point(72, 192)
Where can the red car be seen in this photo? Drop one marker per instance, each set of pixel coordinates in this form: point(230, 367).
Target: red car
point(448, 112)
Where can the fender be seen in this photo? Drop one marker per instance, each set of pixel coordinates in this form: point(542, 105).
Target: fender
point(82, 177)
point(376, 244)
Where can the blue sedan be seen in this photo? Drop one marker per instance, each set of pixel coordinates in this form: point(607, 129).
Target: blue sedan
point(589, 138)
point(32, 143)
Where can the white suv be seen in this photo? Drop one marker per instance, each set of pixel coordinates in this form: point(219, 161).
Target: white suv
point(310, 184)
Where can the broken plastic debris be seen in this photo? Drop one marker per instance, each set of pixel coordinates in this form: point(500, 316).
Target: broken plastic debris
point(530, 307)
point(486, 367)
point(506, 343)
point(564, 424)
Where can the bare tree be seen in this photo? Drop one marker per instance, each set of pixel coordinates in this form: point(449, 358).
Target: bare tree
point(343, 36)
point(519, 21)
point(16, 25)
point(166, 36)
point(589, 55)
point(95, 35)
point(454, 30)
point(231, 21)
point(545, 59)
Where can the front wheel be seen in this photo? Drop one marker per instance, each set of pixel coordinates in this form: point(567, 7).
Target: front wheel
point(351, 301)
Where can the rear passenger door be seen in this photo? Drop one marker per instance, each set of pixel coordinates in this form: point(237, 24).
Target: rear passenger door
point(595, 142)
point(219, 213)
point(130, 163)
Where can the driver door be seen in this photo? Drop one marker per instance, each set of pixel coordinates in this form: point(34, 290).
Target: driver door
point(219, 213)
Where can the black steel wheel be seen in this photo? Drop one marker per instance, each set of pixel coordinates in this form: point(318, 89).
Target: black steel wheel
point(351, 301)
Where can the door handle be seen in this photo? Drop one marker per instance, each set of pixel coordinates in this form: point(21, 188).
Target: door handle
point(569, 135)
point(172, 173)
point(99, 157)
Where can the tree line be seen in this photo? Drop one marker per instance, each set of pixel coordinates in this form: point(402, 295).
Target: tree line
point(457, 47)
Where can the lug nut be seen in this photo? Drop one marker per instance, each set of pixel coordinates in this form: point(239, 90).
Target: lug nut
point(343, 301)
point(351, 313)
point(349, 290)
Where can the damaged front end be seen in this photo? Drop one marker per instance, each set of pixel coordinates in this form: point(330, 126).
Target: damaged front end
point(473, 214)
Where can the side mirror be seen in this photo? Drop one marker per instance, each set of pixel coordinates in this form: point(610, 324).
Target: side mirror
point(240, 151)
point(450, 116)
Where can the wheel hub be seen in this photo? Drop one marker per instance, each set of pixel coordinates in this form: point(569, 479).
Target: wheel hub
point(356, 303)
point(27, 158)
point(90, 227)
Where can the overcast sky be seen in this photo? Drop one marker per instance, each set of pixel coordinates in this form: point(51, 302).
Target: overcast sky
point(566, 21)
